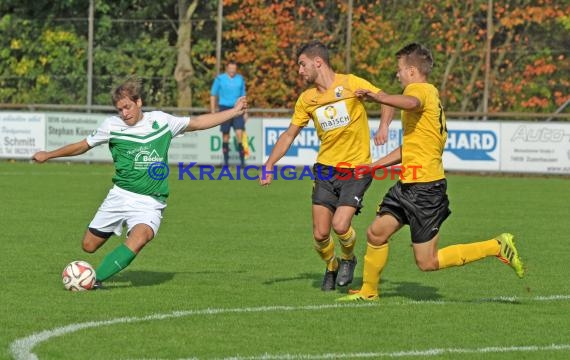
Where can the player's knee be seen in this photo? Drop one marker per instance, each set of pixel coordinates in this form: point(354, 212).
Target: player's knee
point(340, 227)
point(93, 239)
point(89, 247)
point(427, 264)
point(374, 238)
point(320, 235)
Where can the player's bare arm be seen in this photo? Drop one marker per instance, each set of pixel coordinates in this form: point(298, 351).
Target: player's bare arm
point(386, 116)
point(403, 102)
point(393, 158)
point(279, 150)
point(207, 121)
point(74, 149)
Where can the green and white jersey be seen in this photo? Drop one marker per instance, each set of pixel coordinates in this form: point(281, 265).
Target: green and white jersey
point(136, 147)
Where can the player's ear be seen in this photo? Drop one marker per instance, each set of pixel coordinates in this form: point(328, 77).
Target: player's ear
point(318, 61)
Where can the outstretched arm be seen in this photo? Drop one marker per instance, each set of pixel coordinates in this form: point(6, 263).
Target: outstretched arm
point(279, 150)
point(207, 121)
point(74, 149)
point(403, 102)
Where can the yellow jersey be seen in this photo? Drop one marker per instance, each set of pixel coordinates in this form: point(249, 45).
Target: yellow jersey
point(425, 134)
point(340, 120)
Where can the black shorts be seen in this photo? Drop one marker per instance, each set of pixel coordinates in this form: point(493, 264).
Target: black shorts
point(423, 206)
point(333, 188)
point(238, 122)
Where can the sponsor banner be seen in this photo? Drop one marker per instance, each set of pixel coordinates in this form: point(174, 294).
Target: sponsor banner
point(21, 134)
point(394, 139)
point(68, 128)
point(472, 145)
point(205, 146)
point(303, 150)
point(535, 147)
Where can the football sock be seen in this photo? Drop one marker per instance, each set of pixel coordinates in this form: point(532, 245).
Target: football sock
point(241, 154)
point(347, 242)
point(461, 254)
point(115, 261)
point(374, 262)
point(326, 252)
point(226, 152)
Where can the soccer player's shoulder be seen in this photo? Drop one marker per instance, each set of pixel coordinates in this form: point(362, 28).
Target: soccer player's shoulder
point(307, 96)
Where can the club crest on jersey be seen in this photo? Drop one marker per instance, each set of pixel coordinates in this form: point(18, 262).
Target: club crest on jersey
point(330, 112)
point(155, 125)
point(338, 91)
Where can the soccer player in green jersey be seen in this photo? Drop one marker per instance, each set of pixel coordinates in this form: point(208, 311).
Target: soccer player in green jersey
point(419, 198)
point(136, 140)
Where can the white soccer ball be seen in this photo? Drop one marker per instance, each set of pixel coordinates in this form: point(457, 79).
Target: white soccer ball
point(78, 276)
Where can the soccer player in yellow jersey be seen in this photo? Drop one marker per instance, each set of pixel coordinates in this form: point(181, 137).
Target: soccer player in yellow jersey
point(419, 199)
point(342, 127)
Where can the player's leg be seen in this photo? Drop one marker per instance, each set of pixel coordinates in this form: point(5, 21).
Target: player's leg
point(324, 201)
point(324, 244)
point(346, 235)
point(429, 258)
point(390, 218)
point(427, 213)
point(93, 239)
point(349, 204)
point(107, 221)
point(376, 257)
point(143, 215)
point(225, 128)
point(239, 127)
point(124, 254)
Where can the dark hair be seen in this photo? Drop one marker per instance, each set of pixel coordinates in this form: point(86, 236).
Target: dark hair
point(130, 88)
point(418, 56)
point(313, 49)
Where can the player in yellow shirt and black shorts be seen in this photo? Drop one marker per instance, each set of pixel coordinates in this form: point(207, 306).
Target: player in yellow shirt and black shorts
point(341, 123)
point(419, 198)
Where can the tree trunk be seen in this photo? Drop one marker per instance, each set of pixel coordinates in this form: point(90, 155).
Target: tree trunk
point(184, 70)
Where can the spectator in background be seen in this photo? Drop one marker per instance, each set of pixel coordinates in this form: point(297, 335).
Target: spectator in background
point(226, 89)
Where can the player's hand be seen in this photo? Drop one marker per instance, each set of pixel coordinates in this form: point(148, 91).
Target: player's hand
point(241, 105)
point(381, 136)
point(362, 93)
point(268, 177)
point(40, 157)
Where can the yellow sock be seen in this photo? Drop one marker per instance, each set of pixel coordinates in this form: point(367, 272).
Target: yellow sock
point(326, 252)
point(374, 262)
point(461, 254)
point(347, 242)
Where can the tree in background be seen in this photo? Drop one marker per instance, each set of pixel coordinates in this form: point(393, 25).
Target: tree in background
point(171, 45)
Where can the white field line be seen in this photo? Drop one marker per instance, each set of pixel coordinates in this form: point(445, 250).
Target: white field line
point(21, 349)
point(407, 353)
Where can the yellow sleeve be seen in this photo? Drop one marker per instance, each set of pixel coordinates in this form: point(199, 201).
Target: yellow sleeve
point(301, 116)
point(417, 92)
point(360, 83)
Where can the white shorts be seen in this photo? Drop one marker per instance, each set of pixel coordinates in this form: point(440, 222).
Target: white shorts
point(126, 207)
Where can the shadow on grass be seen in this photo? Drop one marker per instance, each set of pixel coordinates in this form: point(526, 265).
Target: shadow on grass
point(316, 278)
point(138, 278)
point(410, 290)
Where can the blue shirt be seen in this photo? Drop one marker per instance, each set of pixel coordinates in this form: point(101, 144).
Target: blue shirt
point(228, 89)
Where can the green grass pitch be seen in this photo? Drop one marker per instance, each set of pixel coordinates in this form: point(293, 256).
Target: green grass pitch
point(233, 274)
